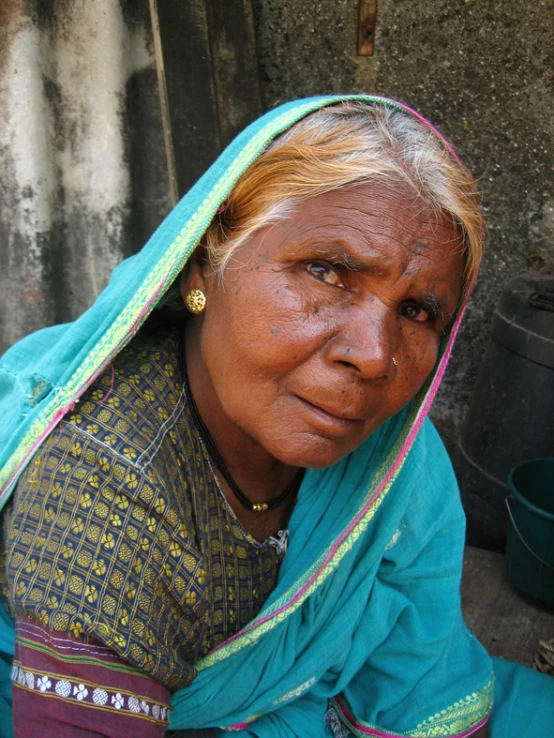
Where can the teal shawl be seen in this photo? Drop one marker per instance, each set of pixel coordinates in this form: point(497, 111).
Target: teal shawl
point(364, 628)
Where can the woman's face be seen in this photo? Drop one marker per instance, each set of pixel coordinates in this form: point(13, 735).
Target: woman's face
point(295, 350)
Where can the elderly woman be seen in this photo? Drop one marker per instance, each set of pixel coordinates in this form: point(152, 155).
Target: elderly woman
point(241, 519)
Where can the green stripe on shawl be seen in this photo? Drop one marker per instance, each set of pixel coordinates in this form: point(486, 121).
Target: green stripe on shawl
point(343, 582)
point(72, 356)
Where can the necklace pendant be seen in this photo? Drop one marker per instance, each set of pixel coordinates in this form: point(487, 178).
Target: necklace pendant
point(262, 507)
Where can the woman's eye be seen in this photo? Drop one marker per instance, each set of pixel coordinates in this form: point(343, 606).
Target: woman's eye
point(324, 273)
point(413, 311)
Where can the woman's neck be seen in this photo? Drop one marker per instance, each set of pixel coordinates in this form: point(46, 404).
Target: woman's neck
point(259, 475)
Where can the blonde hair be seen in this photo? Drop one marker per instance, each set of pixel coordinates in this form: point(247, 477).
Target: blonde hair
point(341, 146)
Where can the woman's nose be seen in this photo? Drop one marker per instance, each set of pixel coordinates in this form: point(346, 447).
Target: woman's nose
point(366, 341)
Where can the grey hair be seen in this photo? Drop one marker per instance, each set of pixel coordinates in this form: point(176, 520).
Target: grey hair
point(342, 146)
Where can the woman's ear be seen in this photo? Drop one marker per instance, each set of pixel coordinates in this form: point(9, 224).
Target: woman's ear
point(193, 276)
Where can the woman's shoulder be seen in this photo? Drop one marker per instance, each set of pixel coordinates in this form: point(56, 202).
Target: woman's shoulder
point(430, 444)
point(93, 540)
point(128, 403)
point(434, 497)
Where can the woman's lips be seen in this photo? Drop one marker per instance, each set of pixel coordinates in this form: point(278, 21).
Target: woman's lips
point(328, 419)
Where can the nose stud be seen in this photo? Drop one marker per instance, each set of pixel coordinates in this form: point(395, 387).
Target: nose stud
point(394, 361)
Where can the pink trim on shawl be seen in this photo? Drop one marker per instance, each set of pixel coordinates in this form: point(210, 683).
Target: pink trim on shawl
point(428, 123)
point(378, 733)
point(62, 411)
point(112, 384)
point(238, 726)
point(422, 413)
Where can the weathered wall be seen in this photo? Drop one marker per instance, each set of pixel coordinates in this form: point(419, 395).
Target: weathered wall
point(483, 71)
point(89, 164)
point(79, 114)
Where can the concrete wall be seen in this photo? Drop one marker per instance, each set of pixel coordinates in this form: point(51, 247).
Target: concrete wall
point(83, 177)
point(482, 70)
point(88, 164)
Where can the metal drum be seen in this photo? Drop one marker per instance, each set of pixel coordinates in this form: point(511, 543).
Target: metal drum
point(511, 416)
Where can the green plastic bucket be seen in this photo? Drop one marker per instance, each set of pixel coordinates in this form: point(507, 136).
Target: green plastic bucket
point(530, 543)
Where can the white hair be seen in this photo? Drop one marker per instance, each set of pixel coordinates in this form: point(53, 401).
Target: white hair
point(340, 146)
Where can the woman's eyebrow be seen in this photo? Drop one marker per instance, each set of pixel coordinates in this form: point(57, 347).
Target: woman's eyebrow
point(338, 254)
point(433, 305)
point(342, 255)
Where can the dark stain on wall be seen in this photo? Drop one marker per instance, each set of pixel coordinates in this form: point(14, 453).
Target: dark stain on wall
point(145, 157)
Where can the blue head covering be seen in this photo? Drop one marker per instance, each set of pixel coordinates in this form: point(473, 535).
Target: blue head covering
point(366, 614)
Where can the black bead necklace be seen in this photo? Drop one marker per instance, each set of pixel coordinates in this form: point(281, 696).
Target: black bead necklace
point(291, 490)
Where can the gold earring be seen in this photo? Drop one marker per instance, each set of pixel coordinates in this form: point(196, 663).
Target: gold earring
point(196, 301)
point(394, 361)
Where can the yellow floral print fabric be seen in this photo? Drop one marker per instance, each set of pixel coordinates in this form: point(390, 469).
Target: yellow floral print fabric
point(119, 531)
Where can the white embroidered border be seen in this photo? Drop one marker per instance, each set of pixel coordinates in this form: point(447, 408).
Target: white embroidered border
point(83, 693)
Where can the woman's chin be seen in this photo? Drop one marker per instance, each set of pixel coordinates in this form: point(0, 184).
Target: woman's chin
point(311, 453)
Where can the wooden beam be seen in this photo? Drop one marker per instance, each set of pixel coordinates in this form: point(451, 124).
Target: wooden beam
point(235, 69)
point(367, 17)
point(191, 103)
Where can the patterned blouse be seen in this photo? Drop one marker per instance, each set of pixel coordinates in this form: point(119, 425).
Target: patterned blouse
point(119, 535)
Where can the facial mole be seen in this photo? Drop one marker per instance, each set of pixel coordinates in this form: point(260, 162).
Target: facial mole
point(275, 331)
point(315, 309)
